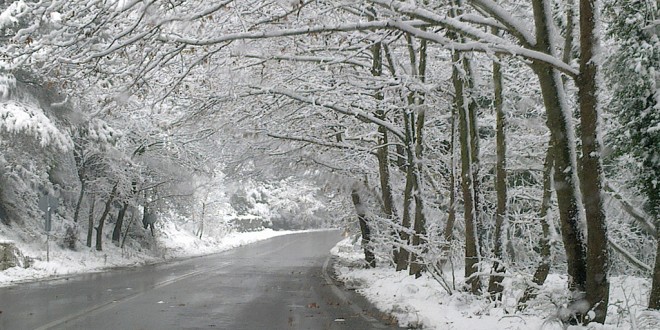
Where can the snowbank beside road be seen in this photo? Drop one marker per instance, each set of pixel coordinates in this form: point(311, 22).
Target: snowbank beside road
point(423, 303)
point(171, 243)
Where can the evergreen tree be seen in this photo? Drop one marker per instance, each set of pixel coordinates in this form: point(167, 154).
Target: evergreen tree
point(633, 73)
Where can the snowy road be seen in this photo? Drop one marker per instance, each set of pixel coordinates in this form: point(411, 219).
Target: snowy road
point(274, 284)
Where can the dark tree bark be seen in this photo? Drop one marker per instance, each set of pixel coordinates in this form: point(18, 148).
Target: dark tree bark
point(597, 283)
point(116, 232)
point(106, 211)
point(495, 284)
point(81, 196)
point(403, 256)
point(448, 233)
point(413, 127)
point(360, 209)
point(467, 183)
point(71, 236)
point(418, 239)
point(654, 297)
point(558, 122)
point(473, 129)
point(382, 153)
point(90, 221)
point(468, 139)
point(130, 223)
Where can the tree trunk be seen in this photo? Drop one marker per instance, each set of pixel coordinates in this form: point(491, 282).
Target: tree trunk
point(130, 223)
point(201, 221)
point(360, 209)
point(382, 153)
point(418, 239)
point(403, 255)
point(90, 221)
point(467, 184)
point(451, 212)
point(495, 284)
point(543, 268)
point(99, 228)
point(654, 297)
point(116, 232)
point(469, 146)
point(384, 172)
point(561, 132)
point(81, 195)
point(475, 163)
point(597, 283)
point(71, 235)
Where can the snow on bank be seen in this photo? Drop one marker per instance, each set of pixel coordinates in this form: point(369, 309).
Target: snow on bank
point(423, 303)
point(171, 243)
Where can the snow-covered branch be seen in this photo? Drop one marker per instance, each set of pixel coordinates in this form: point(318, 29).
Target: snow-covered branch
point(252, 35)
point(499, 46)
point(361, 115)
point(634, 212)
point(335, 145)
point(314, 59)
point(628, 256)
point(513, 25)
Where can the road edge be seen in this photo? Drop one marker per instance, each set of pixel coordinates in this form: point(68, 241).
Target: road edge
point(359, 304)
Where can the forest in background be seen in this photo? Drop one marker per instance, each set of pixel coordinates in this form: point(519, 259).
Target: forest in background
point(507, 136)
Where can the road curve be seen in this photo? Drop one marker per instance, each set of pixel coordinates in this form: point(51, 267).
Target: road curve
point(279, 283)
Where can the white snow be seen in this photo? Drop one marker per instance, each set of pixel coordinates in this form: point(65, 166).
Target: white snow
point(423, 303)
point(19, 117)
point(8, 16)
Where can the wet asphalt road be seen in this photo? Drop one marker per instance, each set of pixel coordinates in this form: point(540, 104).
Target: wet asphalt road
point(279, 283)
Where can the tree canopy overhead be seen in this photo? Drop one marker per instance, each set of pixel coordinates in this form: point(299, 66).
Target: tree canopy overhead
point(453, 125)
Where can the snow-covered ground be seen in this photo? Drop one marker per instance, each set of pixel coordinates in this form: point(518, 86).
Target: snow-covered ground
point(423, 303)
point(171, 243)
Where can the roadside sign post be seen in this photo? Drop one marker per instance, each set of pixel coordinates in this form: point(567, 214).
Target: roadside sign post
point(48, 204)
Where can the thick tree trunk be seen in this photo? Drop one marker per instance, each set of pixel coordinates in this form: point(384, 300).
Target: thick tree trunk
point(116, 232)
point(90, 221)
point(418, 239)
point(468, 87)
point(360, 209)
point(597, 283)
point(561, 131)
point(99, 228)
point(495, 284)
point(467, 183)
point(543, 268)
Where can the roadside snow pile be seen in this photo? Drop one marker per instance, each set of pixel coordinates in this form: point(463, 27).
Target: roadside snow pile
point(423, 303)
point(175, 242)
point(171, 242)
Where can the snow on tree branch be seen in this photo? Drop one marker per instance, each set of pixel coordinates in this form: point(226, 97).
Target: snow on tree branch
point(361, 115)
point(17, 117)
